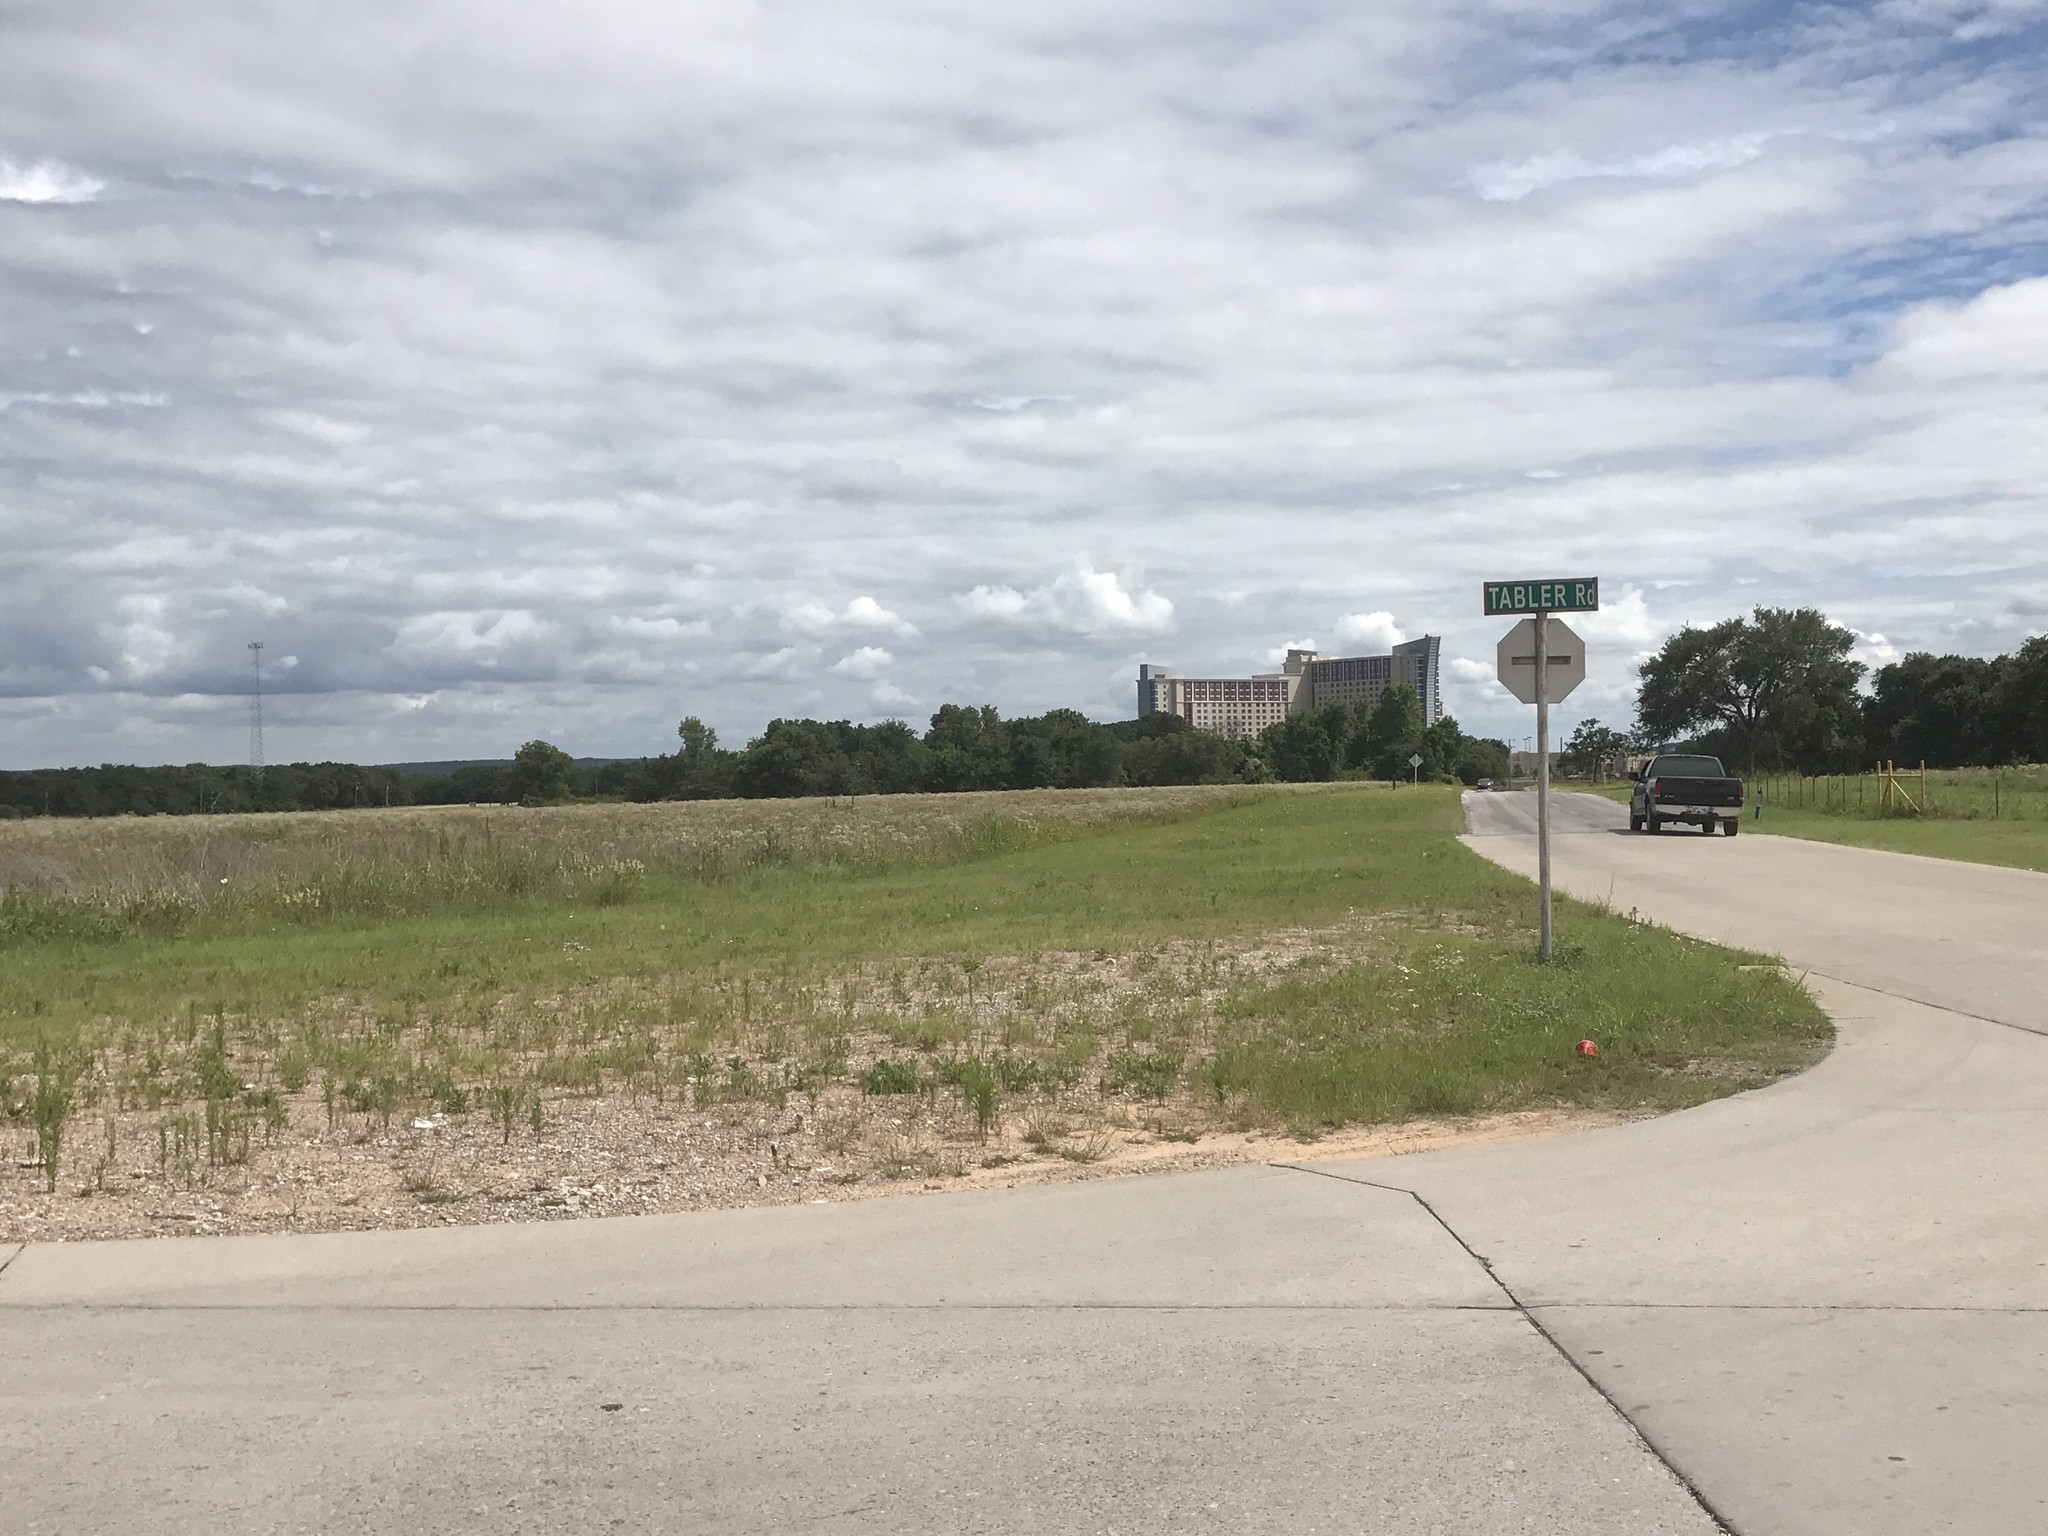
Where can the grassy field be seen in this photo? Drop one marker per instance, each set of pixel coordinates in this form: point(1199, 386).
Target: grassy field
point(1985, 816)
point(472, 1014)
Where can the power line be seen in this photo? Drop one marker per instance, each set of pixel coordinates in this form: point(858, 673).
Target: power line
point(256, 708)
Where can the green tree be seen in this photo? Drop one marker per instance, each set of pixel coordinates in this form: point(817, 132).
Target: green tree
point(542, 774)
point(1937, 710)
point(1777, 689)
point(1391, 735)
point(1594, 751)
point(1177, 753)
point(1309, 746)
point(1061, 749)
point(1442, 748)
point(1482, 757)
point(969, 747)
point(888, 759)
point(792, 758)
point(700, 745)
point(2020, 700)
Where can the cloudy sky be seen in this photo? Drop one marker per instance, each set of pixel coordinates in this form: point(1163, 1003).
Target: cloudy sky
point(560, 369)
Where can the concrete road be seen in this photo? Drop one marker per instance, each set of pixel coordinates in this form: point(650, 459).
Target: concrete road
point(1971, 938)
point(1819, 1308)
point(1827, 1303)
point(1258, 1350)
point(1512, 813)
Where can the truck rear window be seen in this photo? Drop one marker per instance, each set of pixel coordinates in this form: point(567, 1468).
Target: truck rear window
point(1687, 768)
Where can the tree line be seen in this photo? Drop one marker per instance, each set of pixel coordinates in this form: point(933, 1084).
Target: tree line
point(975, 748)
point(1779, 691)
point(965, 747)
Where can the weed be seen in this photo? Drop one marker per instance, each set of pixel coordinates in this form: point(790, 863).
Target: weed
point(978, 1088)
point(419, 1178)
point(505, 1100)
point(1018, 1074)
point(1152, 1074)
point(56, 1078)
point(1044, 1130)
point(1091, 1148)
point(887, 1077)
point(227, 1133)
point(177, 1141)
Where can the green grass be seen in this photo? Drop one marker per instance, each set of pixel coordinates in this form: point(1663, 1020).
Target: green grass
point(1978, 815)
point(979, 964)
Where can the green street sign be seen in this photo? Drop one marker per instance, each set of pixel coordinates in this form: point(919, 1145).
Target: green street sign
point(1572, 594)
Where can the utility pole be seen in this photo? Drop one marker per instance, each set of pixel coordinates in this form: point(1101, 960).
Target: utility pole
point(256, 709)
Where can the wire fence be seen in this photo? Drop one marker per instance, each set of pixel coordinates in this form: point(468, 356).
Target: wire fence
point(1953, 794)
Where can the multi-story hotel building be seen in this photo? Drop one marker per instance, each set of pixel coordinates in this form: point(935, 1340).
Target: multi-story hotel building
point(1238, 707)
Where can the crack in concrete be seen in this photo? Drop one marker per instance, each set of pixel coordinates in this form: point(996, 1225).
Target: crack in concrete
point(1907, 997)
point(1706, 1506)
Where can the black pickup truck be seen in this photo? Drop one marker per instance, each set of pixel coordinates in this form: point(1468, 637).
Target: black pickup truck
point(1688, 788)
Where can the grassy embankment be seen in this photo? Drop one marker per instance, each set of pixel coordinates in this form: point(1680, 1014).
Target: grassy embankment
point(1289, 958)
point(1982, 815)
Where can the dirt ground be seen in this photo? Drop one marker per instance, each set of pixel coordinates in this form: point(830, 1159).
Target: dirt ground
point(609, 1156)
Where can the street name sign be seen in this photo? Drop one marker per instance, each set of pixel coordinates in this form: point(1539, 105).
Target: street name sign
point(1555, 594)
point(1565, 653)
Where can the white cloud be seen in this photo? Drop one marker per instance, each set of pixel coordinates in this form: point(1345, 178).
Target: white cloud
point(485, 639)
point(85, 399)
point(813, 618)
point(46, 181)
point(1623, 621)
point(868, 661)
point(2002, 333)
point(889, 696)
point(495, 431)
point(1374, 633)
point(790, 662)
point(1084, 601)
point(1275, 656)
point(1511, 183)
point(658, 629)
point(866, 613)
point(1873, 651)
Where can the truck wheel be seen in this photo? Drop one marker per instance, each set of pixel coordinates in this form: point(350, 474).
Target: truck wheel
point(1731, 826)
point(1654, 822)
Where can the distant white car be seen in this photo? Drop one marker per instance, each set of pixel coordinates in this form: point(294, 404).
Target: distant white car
point(1484, 784)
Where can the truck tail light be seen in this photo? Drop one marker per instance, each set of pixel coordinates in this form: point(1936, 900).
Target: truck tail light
point(1656, 789)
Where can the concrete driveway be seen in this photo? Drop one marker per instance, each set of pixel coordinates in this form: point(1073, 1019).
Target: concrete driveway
point(1825, 1305)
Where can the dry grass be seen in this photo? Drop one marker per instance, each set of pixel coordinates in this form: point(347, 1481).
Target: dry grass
point(206, 859)
point(1139, 976)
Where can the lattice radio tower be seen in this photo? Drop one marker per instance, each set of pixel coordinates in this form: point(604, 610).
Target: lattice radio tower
point(256, 708)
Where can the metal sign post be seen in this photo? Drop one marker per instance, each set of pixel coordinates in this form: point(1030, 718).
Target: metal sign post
point(1541, 660)
point(1543, 786)
point(1415, 768)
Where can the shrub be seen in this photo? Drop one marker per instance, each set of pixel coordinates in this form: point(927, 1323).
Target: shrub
point(887, 1076)
point(1150, 1074)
